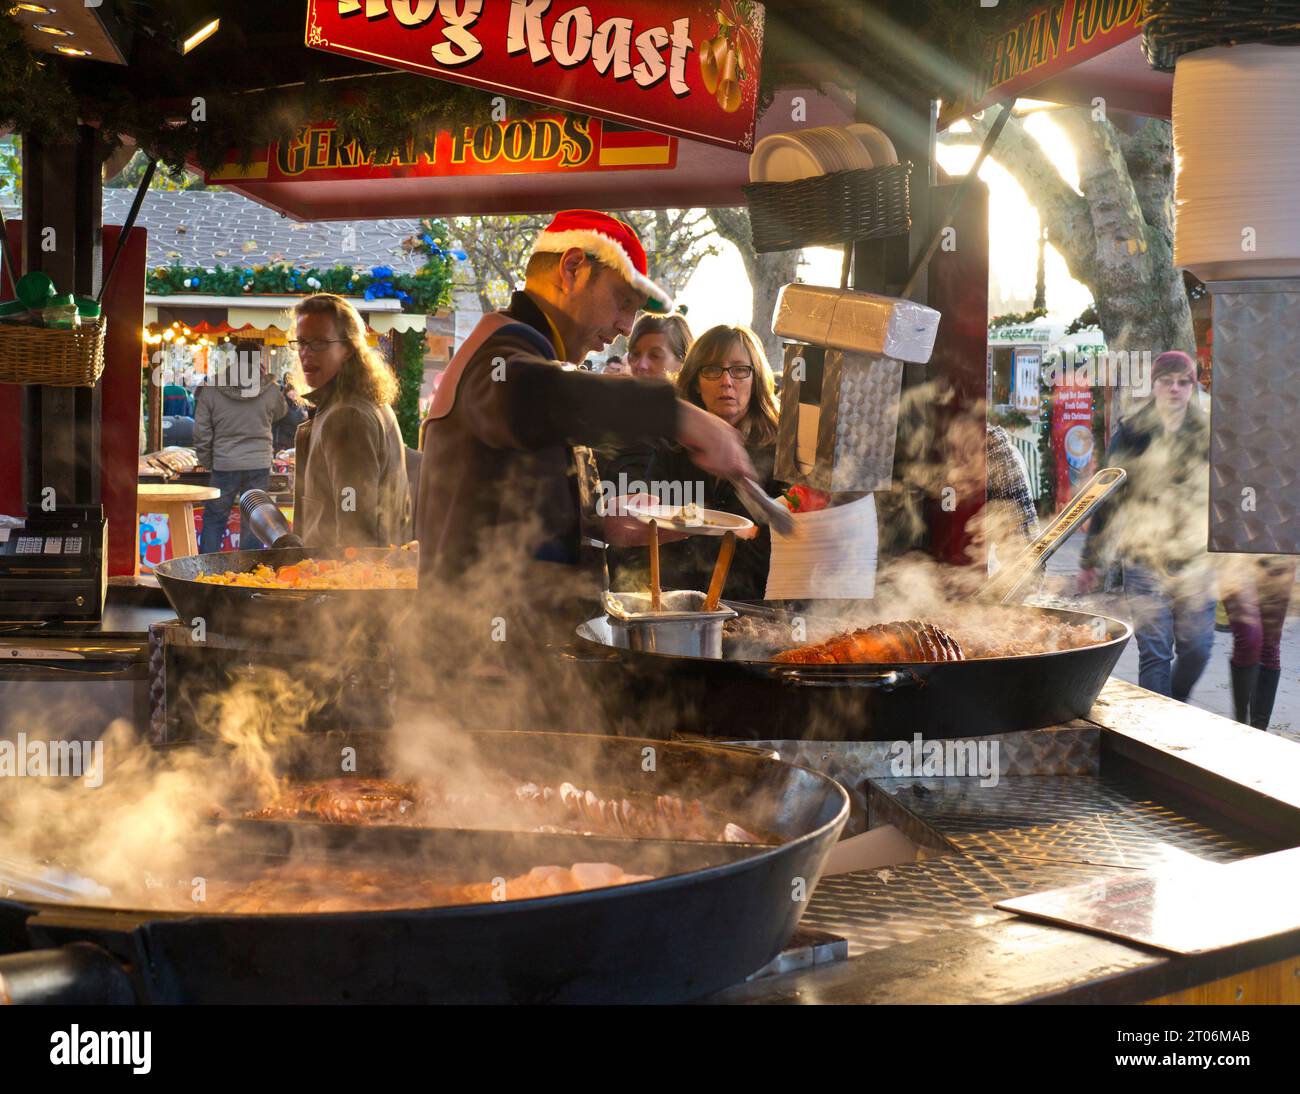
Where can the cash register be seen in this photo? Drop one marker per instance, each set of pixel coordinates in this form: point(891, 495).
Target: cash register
point(55, 566)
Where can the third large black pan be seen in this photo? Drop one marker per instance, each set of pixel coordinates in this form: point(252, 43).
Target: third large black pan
point(708, 920)
point(733, 699)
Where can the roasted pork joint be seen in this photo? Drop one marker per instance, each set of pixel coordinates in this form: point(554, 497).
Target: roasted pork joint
point(907, 641)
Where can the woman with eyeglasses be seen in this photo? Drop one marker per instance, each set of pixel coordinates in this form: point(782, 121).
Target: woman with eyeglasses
point(350, 486)
point(725, 372)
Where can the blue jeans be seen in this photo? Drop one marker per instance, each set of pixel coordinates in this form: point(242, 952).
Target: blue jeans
point(1173, 620)
point(217, 512)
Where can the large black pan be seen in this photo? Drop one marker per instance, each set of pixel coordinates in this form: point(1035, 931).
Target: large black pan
point(714, 915)
point(267, 613)
point(756, 700)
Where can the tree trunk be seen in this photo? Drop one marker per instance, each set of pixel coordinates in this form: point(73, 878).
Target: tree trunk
point(1117, 237)
point(767, 274)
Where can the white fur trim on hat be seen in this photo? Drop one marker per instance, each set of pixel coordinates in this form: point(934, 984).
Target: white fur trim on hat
point(608, 252)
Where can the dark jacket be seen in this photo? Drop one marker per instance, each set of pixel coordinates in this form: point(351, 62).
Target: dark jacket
point(688, 563)
point(349, 443)
point(1157, 518)
point(498, 481)
point(287, 427)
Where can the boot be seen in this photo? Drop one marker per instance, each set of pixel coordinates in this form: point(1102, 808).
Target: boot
point(1243, 689)
point(1261, 707)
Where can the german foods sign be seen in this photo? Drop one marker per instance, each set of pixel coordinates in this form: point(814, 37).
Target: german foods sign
point(1044, 43)
point(685, 67)
point(541, 144)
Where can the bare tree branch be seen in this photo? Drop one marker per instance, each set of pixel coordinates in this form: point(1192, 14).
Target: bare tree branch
point(767, 274)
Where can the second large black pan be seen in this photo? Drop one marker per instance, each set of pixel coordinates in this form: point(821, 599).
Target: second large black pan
point(757, 700)
point(272, 613)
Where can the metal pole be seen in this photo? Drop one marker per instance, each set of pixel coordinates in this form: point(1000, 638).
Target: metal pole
point(990, 139)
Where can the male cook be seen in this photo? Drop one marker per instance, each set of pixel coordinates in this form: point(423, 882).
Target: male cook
point(501, 484)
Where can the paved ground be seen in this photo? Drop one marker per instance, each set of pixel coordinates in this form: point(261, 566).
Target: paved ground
point(1214, 691)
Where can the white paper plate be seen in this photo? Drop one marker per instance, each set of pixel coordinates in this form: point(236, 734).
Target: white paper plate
point(782, 158)
point(717, 523)
point(823, 147)
point(878, 147)
point(855, 153)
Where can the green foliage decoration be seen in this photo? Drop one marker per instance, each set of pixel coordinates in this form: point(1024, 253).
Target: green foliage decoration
point(408, 359)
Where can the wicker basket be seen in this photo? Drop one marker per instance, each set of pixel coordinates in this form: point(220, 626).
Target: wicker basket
point(826, 210)
point(1174, 27)
point(55, 358)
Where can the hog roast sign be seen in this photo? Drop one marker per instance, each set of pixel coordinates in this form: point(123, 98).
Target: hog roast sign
point(684, 67)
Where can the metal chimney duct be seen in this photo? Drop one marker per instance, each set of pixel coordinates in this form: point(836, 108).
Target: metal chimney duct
point(1255, 417)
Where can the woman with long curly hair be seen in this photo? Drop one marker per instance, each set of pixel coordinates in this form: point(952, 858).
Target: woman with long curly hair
point(350, 486)
point(725, 372)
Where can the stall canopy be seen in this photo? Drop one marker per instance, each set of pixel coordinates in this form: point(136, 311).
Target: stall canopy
point(878, 60)
point(1068, 51)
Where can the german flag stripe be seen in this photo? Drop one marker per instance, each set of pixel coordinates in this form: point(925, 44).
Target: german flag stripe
point(617, 137)
point(635, 157)
point(259, 168)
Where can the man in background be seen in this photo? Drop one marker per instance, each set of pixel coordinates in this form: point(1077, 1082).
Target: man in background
point(234, 419)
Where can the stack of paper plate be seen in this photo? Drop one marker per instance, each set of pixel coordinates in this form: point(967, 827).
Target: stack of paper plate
point(1237, 158)
point(787, 157)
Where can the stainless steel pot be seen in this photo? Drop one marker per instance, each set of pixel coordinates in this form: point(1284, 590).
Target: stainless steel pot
point(679, 628)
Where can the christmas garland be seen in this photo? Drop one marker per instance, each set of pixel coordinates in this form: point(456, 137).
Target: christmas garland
point(423, 292)
point(1016, 319)
point(1085, 320)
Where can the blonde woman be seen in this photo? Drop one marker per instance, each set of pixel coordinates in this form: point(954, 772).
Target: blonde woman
point(658, 345)
point(657, 348)
point(350, 486)
point(725, 372)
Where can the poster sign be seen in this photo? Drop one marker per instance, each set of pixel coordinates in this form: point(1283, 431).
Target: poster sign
point(1073, 445)
point(1027, 378)
point(537, 145)
point(684, 67)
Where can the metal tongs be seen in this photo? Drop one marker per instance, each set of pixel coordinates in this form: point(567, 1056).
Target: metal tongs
point(1008, 585)
point(762, 508)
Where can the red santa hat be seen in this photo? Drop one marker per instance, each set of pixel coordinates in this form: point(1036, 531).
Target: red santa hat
point(610, 242)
